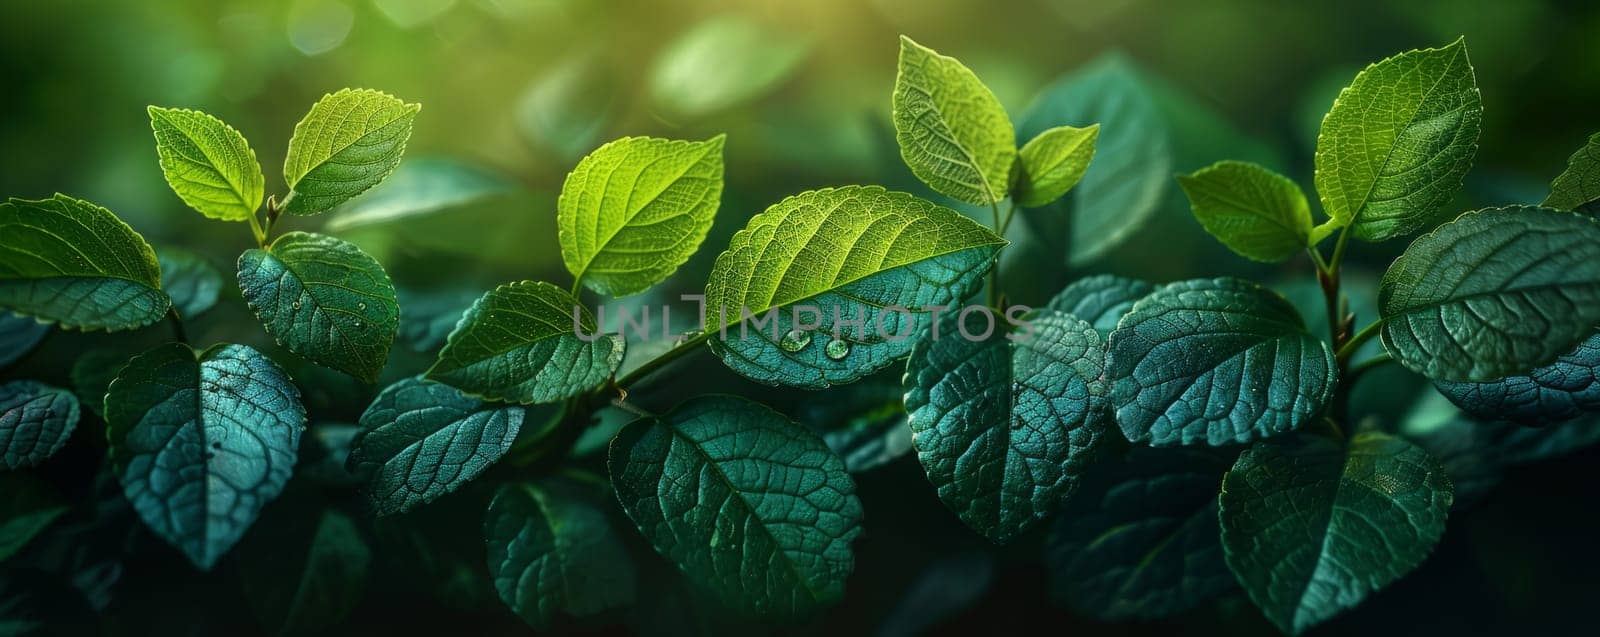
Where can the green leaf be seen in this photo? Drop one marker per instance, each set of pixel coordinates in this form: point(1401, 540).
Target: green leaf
point(420, 187)
point(1557, 392)
point(201, 441)
point(92, 374)
point(35, 422)
point(1005, 425)
point(1311, 525)
point(953, 132)
point(427, 316)
point(325, 457)
point(522, 343)
point(637, 208)
point(28, 507)
point(1101, 300)
point(1398, 140)
point(864, 423)
point(745, 502)
point(1216, 361)
point(18, 336)
point(1127, 183)
point(566, 108)
point(189, 280)
point(323, 299)
point(420, 440)
point(71, 262)
point(723, 62)
point(1257, 213)
point(207, 163)
point(1053, 162)
point(841, 253)
point(552, 553)
point(350, 141)
point(1578, 187)
point(1493, 293)
point(1140, 540)
point(306, 572)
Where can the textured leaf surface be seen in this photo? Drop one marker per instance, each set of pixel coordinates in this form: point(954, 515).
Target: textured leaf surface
point(848, 253)
point(745, 502)
point(1311, 526)
point(1216, 361)
point(189, 280)
point(18, 336)
point(1257, 213)
point(1005, 428)
point(202, 441)
point(636, 209)
point(864, 423)
point(35, 422)
point(1398, 140)
point(1140, 541)
point(420, 440)
point(520, 343)
point(1101, 299)
point(308, 579)
point(1054, 162)
point(953, 132)
point(323, 299)
point(350, 141)
point(1560, 391)
point(207, 163)
point(420, 187)
point(551, 553)
point(1127, 182)
point(71, 262)
point(29, 506)
point(1493, 293)
point(1578, 187)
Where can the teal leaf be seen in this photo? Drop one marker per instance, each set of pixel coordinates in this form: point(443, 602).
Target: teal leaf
point(420, 440)
point(1005, 425)
point(1259, 214)
point(189, 280)
point(326, 454)
point(201, 441)
point(18, 336)
point(521, 343)
point(420, 187)
point(864, 423)
point(1311, 526)
point(1132, 171)
point(350, 141)
point(306, 572)
point(1101, 299)
point(822, 258)
point(953, 132)
point(35, 422)
point(29, 506)
point(722, 62)
point(1395, 145)
point(428, 316)
point(1140, 540)
point(207, 163)
point(1053, 162)
point(1493, 293)
point(1578, 187)
point(323, 299)
point(744, 501)
point(552, 553)
point(70, 262)
point(92, 374)
point(1557, 392)
point(1216, 361)
point(637, 208)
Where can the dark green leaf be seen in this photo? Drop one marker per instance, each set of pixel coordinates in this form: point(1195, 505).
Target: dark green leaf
point(326, 455)
point(28, 507)
point(350, 141)
point(18, 335)
point(93, 372)
point(309, 578)
point(865, 422)
point(207, 163)
point(428, 316)
point(1560, 391)
point(1257, 213)
point(944, 590)
point(190, 280)
point(35, 422)
point(202, 441)
point(1578, 187)
point(745, 502)
point(1101, 300)
point(71, 262)
point(553, 553)
point(420, 187)
point(953, 132)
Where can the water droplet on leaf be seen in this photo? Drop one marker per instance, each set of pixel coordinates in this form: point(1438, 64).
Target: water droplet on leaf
point(837, 349)
point(795, 341)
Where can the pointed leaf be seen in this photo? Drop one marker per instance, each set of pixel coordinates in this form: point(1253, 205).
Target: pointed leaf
point(71, 262)
point(1557, 392)
point(1053, 162)
point(18, 336)
point(1216, 361)
point(350, 141)
point(552, 553)
point(745, 502)
point(207, 163)
point(1493, 293)
point(201, 441)
point(1257, 213)
point(35, 422)
point(189, 280)
point(822, 258)
point(1101, 300)
point(1578, 187)
point(420, 187)
point(953, 132)
point(304, 575)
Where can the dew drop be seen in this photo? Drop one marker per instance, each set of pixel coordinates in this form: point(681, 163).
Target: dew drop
point(795, 341)
point(837, 349)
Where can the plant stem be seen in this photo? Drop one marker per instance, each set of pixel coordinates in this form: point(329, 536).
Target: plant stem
point(1365, 366)
point(1005, 222)
point(1348, 348)
point(177, 325)
point(994, 270)
point(258, 232)
point(577, 286)
point(661, 361)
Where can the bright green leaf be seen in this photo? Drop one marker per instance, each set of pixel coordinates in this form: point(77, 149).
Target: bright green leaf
point(1257, 213)
point(18, 336)
point(35, 422)
point(1005, 425)
point(189, 280)
point(526, 342)
point(350, 141)
point(71, 262)
point(1053, 162)
point(28, 507)
point(323, 299)
point(1493, 293)
point(1216, 361)
point(420, 187)
point(953, 132)
point(1101, 300)
point(420, 440)
point(207, 163)
point(841, 253)
point(1578, 187)
point(1311, 525)
point(1398, 140)
point(306, 572)
point(201, 441)
point(552, 553)
point(744, 501)
point(636, 209)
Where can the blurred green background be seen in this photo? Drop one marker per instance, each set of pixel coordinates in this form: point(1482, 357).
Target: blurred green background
point(515, 91)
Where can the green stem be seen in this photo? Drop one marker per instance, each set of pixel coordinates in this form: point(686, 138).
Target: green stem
point(1005, 223)
point(177, 325)
point(994, 270)
point(577, 286)
point(654, 364)
point(1365, 366)
point(1349, 348)
point(258, 232)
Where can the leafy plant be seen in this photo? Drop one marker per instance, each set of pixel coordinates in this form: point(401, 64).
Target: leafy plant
point(1187, 438)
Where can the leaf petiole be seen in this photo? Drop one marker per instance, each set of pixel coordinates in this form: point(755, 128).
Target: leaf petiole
point(1349, 348)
